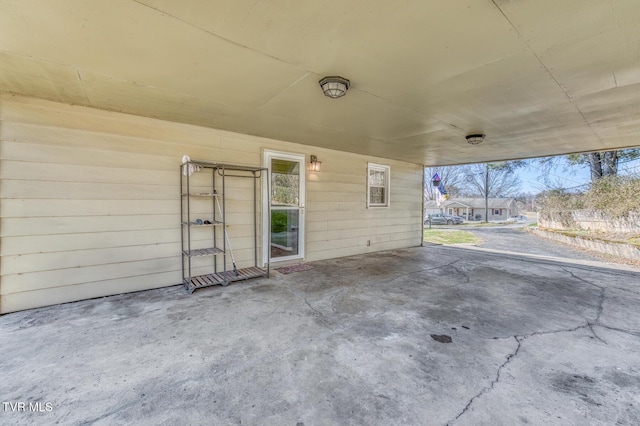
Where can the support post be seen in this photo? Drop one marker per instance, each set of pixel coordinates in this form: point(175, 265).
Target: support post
point(486, 193)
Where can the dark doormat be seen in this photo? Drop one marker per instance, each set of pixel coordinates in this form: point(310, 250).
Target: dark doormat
point(294, 268)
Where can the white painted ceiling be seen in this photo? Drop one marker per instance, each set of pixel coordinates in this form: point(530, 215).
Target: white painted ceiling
point(538, 77)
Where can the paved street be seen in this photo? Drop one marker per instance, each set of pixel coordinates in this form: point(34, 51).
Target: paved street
point(513, 238)
point(432, 335)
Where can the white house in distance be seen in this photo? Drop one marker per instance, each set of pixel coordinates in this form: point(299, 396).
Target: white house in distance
point(474, 208)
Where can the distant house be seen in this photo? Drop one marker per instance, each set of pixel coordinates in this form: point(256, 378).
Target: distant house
point(474, 208)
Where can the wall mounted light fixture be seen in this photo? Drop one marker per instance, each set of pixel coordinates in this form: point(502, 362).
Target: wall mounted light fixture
point(334, 86)
point(314, 164)
point(475, 139)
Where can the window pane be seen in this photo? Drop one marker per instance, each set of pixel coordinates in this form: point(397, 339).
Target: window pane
point(376, 178)
point(284, 233)
point(376, 195)
point(285, 182)
point(378, 185)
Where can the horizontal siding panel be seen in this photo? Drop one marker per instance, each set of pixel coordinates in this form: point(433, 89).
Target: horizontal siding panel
point(20, 264)
point(237, 244)
point(343, 206)
point(25, 189)
point(335, 197)
point(337, 245)
point(332, 179)
point(393, 231)
point(81, 139)
point(206, 267)
point(43, 261)
point(51, 296)
point(233, 231)
point(356, 250)
point(360, 206)
point(31, 171)
point(78, 140)
point(364, 214)
point(396, 229)
point(33, 226)
point(18, 151)
point(339, 235)
point(94, 240)
point(14, 283)
point(18, 208)
point(407, 235)
point(315, 226)
point(327, 188)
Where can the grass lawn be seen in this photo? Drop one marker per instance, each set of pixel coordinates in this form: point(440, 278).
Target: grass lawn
point(446, 236)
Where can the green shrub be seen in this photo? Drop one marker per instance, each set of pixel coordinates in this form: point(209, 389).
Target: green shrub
point(614, 196)
point(558, 205)
point(278, 221)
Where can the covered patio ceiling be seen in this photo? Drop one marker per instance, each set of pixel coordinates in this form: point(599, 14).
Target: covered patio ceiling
point(538, 77)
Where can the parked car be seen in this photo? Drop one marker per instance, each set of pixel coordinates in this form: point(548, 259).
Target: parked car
point(444, 219)
point(519, 218)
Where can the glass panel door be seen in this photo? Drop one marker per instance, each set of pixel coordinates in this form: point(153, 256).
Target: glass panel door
point(286, 195)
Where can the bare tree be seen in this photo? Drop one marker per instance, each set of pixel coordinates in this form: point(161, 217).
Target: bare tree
point(452, 177)
point(600, 164)
point(503, 182)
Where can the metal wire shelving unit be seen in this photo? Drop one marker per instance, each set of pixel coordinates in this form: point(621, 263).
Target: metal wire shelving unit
point(217, 243)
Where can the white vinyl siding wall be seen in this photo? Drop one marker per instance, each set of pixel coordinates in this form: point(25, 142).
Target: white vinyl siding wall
point(90, 202)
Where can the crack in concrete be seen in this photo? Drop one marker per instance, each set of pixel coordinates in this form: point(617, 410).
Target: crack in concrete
point(626, 289)
point(491, 386)
point(272, 312)
point(581, 279)
point(461, 272)
point(522, 338)
point(602, 298)
point(596, 334)
point(621, 330)
point(323, 320)
point(397, 277)
point(442, 266)
point(600, 308)
point(313, 309)
point(543, 333)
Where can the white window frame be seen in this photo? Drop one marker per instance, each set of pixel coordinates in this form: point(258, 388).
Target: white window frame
point(387, 173)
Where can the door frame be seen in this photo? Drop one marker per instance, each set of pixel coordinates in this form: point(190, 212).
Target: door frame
point(266, 208)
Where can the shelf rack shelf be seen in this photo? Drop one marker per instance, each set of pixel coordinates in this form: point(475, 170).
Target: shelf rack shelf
point(219, 243)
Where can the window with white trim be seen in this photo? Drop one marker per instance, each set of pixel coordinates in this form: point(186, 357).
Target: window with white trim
point(378, 178)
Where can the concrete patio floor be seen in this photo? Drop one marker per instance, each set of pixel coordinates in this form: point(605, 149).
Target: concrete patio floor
point(533, 341)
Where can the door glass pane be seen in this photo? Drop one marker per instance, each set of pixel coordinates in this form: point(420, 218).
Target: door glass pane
point(284, 233)
point(285, 182)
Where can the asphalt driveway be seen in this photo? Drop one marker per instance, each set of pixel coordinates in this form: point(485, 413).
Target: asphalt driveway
point(427, 336)
point(513, 238)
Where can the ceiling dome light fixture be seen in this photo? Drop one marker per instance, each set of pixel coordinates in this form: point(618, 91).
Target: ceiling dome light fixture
point(475, 139)
point(334, 86)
